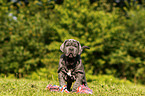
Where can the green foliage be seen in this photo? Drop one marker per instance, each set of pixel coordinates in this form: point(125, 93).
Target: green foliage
point(31, 42)
point(106, 79)
point(43, 74)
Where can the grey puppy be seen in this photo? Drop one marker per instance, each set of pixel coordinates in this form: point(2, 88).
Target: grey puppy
point(70, 65)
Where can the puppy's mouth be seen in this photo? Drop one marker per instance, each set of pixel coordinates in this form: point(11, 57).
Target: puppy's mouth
point(70, 55)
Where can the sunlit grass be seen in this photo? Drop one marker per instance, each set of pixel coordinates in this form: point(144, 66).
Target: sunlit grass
point(24, 87)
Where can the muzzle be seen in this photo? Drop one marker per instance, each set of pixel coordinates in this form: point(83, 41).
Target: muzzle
point(71, 52)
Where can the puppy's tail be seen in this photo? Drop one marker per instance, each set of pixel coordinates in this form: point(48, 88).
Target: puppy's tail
point(84, 47)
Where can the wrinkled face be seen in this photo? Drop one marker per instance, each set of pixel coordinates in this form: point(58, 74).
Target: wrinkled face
point(71, 48)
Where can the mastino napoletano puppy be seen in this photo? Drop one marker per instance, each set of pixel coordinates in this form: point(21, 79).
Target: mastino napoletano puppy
point(70, 65)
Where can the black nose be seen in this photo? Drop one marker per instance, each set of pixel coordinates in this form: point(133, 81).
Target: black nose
point(71, 49)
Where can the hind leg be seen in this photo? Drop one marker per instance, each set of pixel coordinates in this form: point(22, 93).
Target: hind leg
point(84, 82)
point(61, 79)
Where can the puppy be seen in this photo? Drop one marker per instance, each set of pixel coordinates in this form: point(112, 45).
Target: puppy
point(70, 65)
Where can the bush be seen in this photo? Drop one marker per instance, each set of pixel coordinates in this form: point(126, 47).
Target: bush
point(30, 38)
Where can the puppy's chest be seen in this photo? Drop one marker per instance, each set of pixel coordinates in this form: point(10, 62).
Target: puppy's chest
point(70, 69)
point(70, 66)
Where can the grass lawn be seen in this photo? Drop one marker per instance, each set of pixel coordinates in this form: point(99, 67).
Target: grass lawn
point(25, 87)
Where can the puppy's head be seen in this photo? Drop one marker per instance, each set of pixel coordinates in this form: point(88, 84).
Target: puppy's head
point(71, 48)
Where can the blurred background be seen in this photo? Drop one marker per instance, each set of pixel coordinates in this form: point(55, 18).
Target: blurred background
point(31, 32)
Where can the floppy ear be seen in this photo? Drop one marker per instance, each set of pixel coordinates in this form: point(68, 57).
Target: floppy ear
point(79, 48)
point(62, 46)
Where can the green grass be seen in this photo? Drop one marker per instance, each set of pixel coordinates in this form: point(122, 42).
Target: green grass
point(24, 87)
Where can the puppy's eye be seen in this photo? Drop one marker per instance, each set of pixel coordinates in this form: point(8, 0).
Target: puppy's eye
point(67, 45)
point(75, 45)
